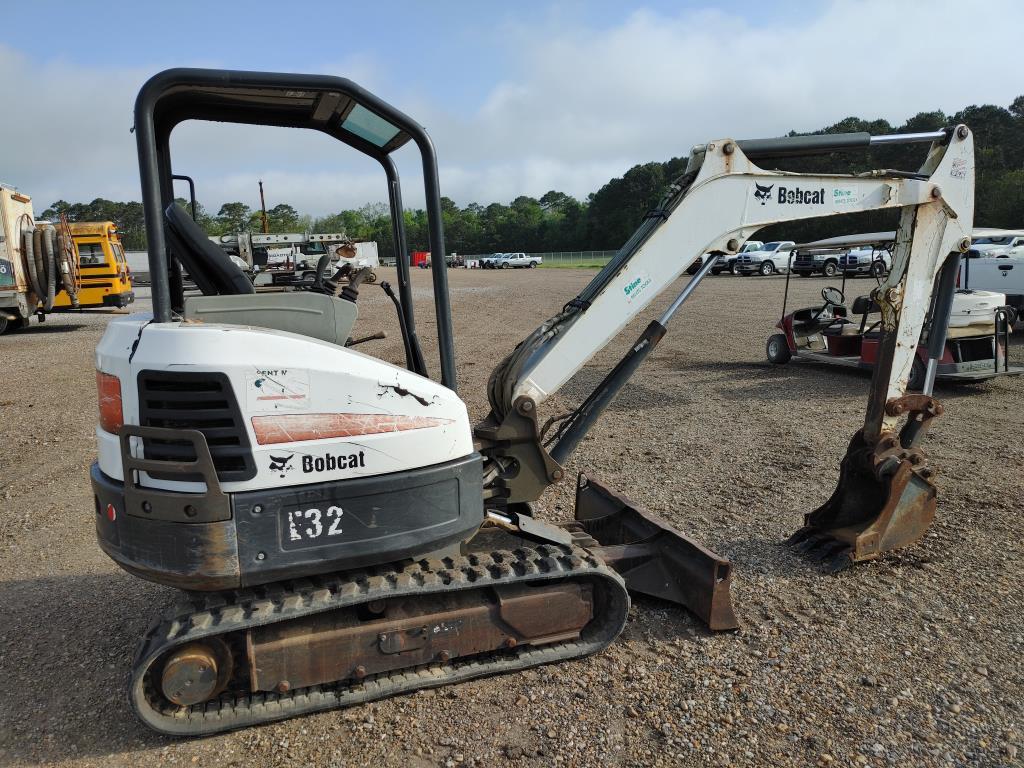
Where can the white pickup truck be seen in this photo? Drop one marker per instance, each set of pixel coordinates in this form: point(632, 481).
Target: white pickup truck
point(510, 260)
point(769, 258)
point(995, 262)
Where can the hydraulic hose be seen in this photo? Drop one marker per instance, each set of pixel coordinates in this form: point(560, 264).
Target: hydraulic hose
point(27, 228)
point(48, 236)
point(44, 261)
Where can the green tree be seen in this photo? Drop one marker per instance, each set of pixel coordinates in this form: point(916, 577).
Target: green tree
point(235, 217)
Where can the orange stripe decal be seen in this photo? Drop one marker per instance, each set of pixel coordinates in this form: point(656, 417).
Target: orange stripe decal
point(299, 427)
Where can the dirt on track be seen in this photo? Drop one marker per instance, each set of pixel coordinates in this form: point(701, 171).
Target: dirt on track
point(913, 660)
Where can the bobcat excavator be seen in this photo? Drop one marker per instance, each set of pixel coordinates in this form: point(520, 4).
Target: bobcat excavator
point(340, 529)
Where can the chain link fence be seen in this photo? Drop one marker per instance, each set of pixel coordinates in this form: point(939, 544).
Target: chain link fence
point(562, 258)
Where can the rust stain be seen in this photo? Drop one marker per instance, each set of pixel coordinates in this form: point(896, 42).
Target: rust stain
point(299, 427)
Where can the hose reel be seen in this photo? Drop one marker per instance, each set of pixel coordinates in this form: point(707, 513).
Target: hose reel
point(49, 259)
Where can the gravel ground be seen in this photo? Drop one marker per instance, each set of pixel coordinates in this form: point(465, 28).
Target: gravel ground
point(914, 660)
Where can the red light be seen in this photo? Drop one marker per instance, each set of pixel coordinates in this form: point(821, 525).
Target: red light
point(111, 513)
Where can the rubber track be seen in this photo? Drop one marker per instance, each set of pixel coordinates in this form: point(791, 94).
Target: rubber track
point(206, 615)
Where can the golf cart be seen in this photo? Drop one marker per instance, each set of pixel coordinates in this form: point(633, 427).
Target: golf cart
point(970, 329)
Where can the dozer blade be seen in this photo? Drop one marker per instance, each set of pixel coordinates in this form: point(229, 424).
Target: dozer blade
point(885, 500)
point(653, 557)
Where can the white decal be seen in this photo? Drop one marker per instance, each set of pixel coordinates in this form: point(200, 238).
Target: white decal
point(278, 389)
point(317, 529)
point(336, 513)
point(315, 517)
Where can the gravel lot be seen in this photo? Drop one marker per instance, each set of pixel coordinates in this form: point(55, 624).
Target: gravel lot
point(915, 660)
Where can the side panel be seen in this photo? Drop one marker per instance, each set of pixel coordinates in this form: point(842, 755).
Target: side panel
point(13, 206)
point(992, 274)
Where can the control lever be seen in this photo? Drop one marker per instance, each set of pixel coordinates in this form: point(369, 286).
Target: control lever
point(378, 335)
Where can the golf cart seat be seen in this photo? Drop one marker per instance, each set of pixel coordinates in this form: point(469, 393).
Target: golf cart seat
point(864, 305)
point(808, 321)
point(230, 298)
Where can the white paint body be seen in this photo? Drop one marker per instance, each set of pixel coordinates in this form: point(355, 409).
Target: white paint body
point(326, 379)
point(731, 198)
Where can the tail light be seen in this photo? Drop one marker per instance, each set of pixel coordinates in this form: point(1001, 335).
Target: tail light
point(109, 390)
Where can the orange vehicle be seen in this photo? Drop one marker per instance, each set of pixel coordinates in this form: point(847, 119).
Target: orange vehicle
point(106, 278)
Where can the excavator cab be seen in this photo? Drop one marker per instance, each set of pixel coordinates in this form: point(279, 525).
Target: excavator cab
point(331, 105)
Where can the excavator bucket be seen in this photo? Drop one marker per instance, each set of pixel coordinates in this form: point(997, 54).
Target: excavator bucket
point(653, 557)
point(885, 500)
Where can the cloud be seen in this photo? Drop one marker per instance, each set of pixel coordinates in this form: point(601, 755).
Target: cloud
point(575, 106)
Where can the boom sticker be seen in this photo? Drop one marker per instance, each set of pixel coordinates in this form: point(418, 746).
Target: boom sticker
point(277, 389)
point(636, 286)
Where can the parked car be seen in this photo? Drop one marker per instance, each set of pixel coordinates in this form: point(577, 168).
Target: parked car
point(727, 262)
point(516, 260)
point(865, 260)
point(770, 258)
point(487, 262)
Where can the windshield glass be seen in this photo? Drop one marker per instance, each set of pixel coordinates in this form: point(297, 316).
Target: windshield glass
point(991, 240)
point(90, 254)
point(771, 246)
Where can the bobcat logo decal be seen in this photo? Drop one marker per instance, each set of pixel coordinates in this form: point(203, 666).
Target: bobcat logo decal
point(762, 193)
point(281, 464)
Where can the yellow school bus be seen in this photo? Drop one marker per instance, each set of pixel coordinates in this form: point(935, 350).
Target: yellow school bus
point(106, 279)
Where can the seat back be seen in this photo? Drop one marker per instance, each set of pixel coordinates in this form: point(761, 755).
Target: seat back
point(211, 269)
point(862, 305)
point(309, 314)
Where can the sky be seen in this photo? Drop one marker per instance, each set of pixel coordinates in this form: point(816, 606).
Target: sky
point(519, 98)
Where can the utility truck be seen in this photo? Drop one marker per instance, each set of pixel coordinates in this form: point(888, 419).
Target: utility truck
point(56, 267)
point(356, 537)
point(284, 256)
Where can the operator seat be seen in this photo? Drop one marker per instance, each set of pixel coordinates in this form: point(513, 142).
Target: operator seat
point(207, 264)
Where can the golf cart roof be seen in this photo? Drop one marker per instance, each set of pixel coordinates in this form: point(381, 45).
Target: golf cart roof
point(850, 241)
point(883, 239)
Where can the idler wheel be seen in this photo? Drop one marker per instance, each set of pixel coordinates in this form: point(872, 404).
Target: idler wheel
point(196, 673)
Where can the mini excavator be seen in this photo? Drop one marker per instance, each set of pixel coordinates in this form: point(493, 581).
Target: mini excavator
point(341, 532)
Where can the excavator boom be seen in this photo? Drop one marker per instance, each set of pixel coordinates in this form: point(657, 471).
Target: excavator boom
point(721, 200)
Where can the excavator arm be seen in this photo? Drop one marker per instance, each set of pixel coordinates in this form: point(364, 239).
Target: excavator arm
point(721, 200)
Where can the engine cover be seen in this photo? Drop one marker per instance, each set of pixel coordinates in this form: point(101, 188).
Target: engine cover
point(277, 409)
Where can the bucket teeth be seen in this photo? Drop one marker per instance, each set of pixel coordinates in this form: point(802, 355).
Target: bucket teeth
point(839, 561)
point(819, 545)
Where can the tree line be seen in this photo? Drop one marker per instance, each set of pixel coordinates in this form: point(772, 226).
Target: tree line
point(606, 219)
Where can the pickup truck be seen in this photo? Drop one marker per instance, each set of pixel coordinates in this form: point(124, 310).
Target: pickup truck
point(770, 258)
point(865, 261)
point(810, 261)
point(1002, 274)
point(727, 262)
point(997, 244)
point(515, 260)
